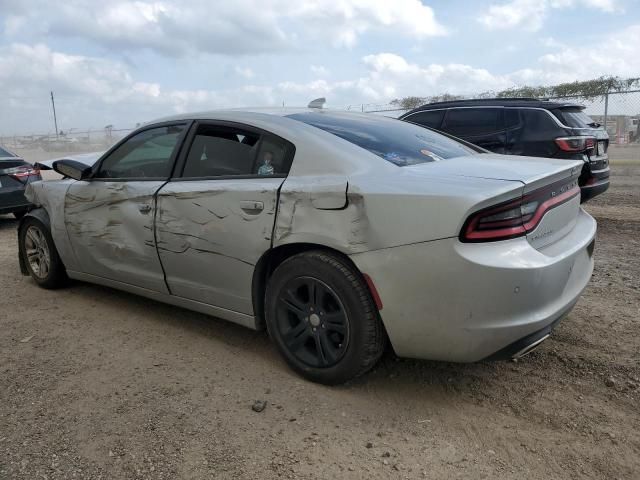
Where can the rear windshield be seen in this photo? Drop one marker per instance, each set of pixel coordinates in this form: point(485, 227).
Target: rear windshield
point(5, 153)
point(575, 117)
point(398, 142)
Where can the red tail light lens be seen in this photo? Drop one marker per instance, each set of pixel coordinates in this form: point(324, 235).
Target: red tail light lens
point(576, 144)
point(22, 172)
point(516, 218)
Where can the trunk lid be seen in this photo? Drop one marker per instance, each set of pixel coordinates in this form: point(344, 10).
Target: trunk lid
point(532, 172)
point(545, 182)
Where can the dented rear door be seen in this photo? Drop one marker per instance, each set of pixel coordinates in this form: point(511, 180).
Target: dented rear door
point(216, 219)
point(211, 234)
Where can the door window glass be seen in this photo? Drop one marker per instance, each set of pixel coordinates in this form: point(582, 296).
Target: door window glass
point(511, 117)
point(220, 151)
point(473, 121)
point(148, 154)
point(538, 122)
point(273, 158)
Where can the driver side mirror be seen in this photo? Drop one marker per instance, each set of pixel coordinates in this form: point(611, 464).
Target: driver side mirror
point(72, 169)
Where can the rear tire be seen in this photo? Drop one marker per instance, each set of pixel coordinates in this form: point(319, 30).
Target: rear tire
point(40, 255)
point(320, 314)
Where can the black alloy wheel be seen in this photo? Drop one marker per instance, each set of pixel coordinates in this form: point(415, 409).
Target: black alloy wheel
point(312, 322)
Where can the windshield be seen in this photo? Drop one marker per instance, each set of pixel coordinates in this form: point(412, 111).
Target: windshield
point(576, 118)
point(398, 142)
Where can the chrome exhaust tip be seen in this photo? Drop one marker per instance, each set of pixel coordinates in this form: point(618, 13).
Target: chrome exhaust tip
point(529, 348)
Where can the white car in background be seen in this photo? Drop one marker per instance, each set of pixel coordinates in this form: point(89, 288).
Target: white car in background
point(337, 231)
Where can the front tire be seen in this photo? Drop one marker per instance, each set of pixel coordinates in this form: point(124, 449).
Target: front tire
point(40, 255)
point(320, 314)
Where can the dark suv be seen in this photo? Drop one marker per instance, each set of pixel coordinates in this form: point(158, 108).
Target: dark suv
point(526, 126)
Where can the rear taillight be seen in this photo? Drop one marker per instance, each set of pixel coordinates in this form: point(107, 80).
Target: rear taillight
point(516, 218)
point(21, 173)
point(576, 144)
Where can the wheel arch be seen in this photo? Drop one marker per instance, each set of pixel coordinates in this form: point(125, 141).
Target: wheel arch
point(39, 214)
point(270, 260)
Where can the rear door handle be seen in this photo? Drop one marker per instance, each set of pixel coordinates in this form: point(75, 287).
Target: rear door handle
point(144, 208)
point(251, 206)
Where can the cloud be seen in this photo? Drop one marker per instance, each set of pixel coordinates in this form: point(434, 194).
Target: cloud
point(531, 14)
point(244, 72)
point(95, 91)
point(319, 70)
point(616, 55)
point(186, 27)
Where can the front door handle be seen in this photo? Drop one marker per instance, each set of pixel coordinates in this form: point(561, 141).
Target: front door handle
point(144, 208)
point(251, 206)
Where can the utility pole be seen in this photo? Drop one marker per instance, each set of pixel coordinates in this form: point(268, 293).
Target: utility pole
point(55, 120)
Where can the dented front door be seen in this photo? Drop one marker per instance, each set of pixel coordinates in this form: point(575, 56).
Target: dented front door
point(211, 234)
point(110, 219)
point(110, 225)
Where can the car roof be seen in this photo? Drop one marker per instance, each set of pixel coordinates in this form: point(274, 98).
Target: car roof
point(242, 113)
point(497, 102)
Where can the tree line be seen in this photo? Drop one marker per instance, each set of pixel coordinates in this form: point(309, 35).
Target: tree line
point(588, 89)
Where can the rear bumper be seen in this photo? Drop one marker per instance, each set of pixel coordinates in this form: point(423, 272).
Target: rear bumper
point(13, 200)
point(453, 301)
point(594, 188)
point(594, 178)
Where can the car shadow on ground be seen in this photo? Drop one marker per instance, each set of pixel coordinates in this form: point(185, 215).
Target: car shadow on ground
point(255, 346)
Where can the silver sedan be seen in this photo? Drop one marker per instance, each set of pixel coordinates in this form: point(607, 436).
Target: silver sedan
point(338, 232)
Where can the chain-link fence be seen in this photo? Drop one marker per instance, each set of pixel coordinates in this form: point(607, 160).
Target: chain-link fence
point(38, 147)
point(618, 112)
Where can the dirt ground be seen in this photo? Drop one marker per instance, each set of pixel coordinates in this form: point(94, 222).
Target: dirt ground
point(96, 383)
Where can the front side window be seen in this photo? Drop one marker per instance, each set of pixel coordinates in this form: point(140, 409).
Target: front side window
point(466, 122)
point(398, 142)
point(148, 154)
point(221, 151)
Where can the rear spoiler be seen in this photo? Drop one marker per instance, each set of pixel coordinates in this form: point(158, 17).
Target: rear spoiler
point(89, 159)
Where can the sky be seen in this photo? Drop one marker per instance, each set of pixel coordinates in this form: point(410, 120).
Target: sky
point(124, 62)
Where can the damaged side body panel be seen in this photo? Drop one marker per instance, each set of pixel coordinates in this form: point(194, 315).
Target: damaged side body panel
point(51, 196)
point(110, 226)
point(211, 234)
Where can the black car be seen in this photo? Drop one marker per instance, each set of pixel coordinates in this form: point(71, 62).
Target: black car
point(526, 126)
point(15, 174)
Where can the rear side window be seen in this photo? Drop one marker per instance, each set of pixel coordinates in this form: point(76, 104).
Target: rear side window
point(537, 121)
point(220, 151)
point(512, 118)
point(473, 121)
point(428, 118)
point(398, 142)
point(575, 117)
